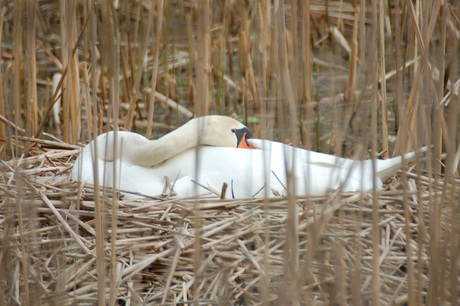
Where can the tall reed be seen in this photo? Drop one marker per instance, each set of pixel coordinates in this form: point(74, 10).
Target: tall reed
point(357, 79)
point(71, 104)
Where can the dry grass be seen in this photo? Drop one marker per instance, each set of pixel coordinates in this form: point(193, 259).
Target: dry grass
point(243, 246)
point(362, 78)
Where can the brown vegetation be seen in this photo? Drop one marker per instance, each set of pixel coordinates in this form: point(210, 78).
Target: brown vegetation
point(353, 78)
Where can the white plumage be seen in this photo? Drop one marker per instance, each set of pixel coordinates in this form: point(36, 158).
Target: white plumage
point(204, 152)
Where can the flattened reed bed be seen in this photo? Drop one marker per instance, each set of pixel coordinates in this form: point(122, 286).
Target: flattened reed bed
point(243, 249)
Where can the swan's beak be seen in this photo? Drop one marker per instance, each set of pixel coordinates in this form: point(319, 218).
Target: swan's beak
point(242, 136)
point(244, 144)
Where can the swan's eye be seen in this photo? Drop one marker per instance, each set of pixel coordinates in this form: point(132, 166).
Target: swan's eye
point(233, 130)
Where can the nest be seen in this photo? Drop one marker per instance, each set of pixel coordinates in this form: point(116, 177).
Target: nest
point(66, 243)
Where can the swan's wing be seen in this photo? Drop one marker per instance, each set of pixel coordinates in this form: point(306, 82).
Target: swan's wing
point(324, 164)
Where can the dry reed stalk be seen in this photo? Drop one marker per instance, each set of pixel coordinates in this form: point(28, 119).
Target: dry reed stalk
point(286, 83)
point(373, 81)
point(292, 52)
point(203, 59)
point(30, 72)
point(56, 91)
point(71, 86)
point(407, 131)
point(245, 61)
point(171, 103)
point(91, 117)
point(449, 272)
point(263, 42)
point(99, 215)
point(383, 86)
point(15, 107)
point(425, 106)
point(253, 88)
point(400, 69)
point(191, 90)
point(50, 143)
point(138, 69)
point(156, 55)
point(111, 40)
point(219, 63)
point(201, 107)
point(438, 113)
point(24, 245)
point(307, 61)
point(2, 93)
point(362, 28)
point(351, 85)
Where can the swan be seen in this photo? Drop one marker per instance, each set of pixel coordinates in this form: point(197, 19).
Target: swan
point(204, 154)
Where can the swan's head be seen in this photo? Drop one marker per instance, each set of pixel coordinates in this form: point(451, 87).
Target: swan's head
point(220, 131)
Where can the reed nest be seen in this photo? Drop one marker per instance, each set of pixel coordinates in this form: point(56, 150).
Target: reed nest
point(175, 251)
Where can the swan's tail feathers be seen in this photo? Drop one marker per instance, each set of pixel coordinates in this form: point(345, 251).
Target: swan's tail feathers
point(388, 167)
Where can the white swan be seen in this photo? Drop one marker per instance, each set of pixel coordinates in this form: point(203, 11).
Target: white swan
point(205, 153)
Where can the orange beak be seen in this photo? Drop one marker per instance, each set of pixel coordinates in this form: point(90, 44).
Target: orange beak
point(244, 144)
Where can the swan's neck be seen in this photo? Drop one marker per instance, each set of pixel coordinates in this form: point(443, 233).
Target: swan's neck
point(148, 153)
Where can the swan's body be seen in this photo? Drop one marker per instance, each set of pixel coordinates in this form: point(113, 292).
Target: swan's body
point(248, 173)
